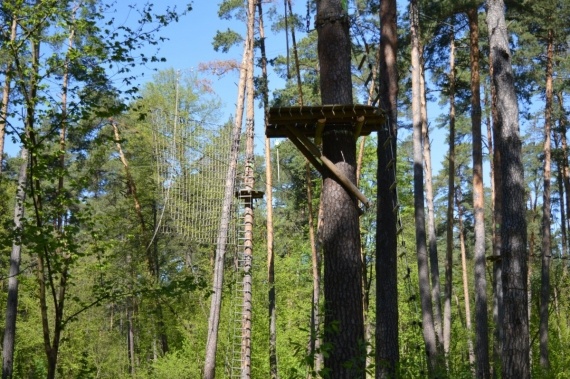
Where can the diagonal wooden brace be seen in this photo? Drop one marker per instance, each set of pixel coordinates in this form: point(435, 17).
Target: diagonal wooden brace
point(312, 153)
point(310, 157)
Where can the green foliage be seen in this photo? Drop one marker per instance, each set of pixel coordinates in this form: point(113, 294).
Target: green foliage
point(227, 7)
point(176, 365)
point(224, 41)
point(103, 252)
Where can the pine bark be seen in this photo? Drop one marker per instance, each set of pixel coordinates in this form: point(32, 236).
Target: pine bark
point(432, 238)
point(249, 183)
point(481, 321)
point(450, 200)
point(497, 212)
point(467, 301)
point(546, 211)
point(131, 335)
point(563, 175)
point(515, 352)
point(387, 351)
point(316, 266)
point(565, 164)
point(419, 209)
point(271, 266)
point(272, 311)
point(218, 275)
point(344, 325)
point(563, 230)
point(367, 273)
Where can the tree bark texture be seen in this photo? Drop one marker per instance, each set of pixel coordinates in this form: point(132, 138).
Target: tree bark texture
point(387, 351)
point(249, 183)
point(273, 372)
point(218, 275)
point(467, 302)
point(450, 199)
point(497, 212)
point(419, 210)
point(13, 281)
point(565, 164)
point(546, 211)
point(15, 255)
point(316, 263)
point(513, 226)
point(559, 181)
point(344, 325)
point(46, 282)
point(481, 321)
point(432, 239)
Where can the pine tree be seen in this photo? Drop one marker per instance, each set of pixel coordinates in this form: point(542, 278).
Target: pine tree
point(344, 325)
point(513, 222)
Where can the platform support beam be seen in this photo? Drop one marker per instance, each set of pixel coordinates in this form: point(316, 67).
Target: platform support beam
point(313, 154)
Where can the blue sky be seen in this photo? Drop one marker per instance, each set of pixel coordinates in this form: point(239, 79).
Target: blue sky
point(190, 43)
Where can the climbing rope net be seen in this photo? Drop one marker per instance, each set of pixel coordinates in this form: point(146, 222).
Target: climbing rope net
point(192, 159)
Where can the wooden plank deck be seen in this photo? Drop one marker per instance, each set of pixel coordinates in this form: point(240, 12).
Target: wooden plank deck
point(305, 119)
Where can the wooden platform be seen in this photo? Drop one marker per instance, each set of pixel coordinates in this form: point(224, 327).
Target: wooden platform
point(364, 118)
point(245, 193)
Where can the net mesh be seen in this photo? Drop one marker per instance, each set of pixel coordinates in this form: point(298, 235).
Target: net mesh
point(192, 159)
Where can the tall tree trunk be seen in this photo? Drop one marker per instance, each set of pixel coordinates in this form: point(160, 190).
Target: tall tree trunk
point(497, 212)
point(564, 158)
point(15, 258)
point(270, 263)
point(160, 324)
point(490, 104)
point(218, 275)
point(45, 280)
point(563, 230)
point(344, 324)
point(387, 350)
point(146, 244)
point(315, 338)
point(131, 186)
point(367, 271)
point(295, 55)
point(6, 94)
point(529, 293)
point(513, 226)
point(432, 238)
point(481, 322)
point(131, 335)
point(465, 283)
point(450, 198)
point(59, 298)
point(316, 263)
point(273, 372)
point(560, 182)
point(546, 212)
point(419, 212)
point(249, 183)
